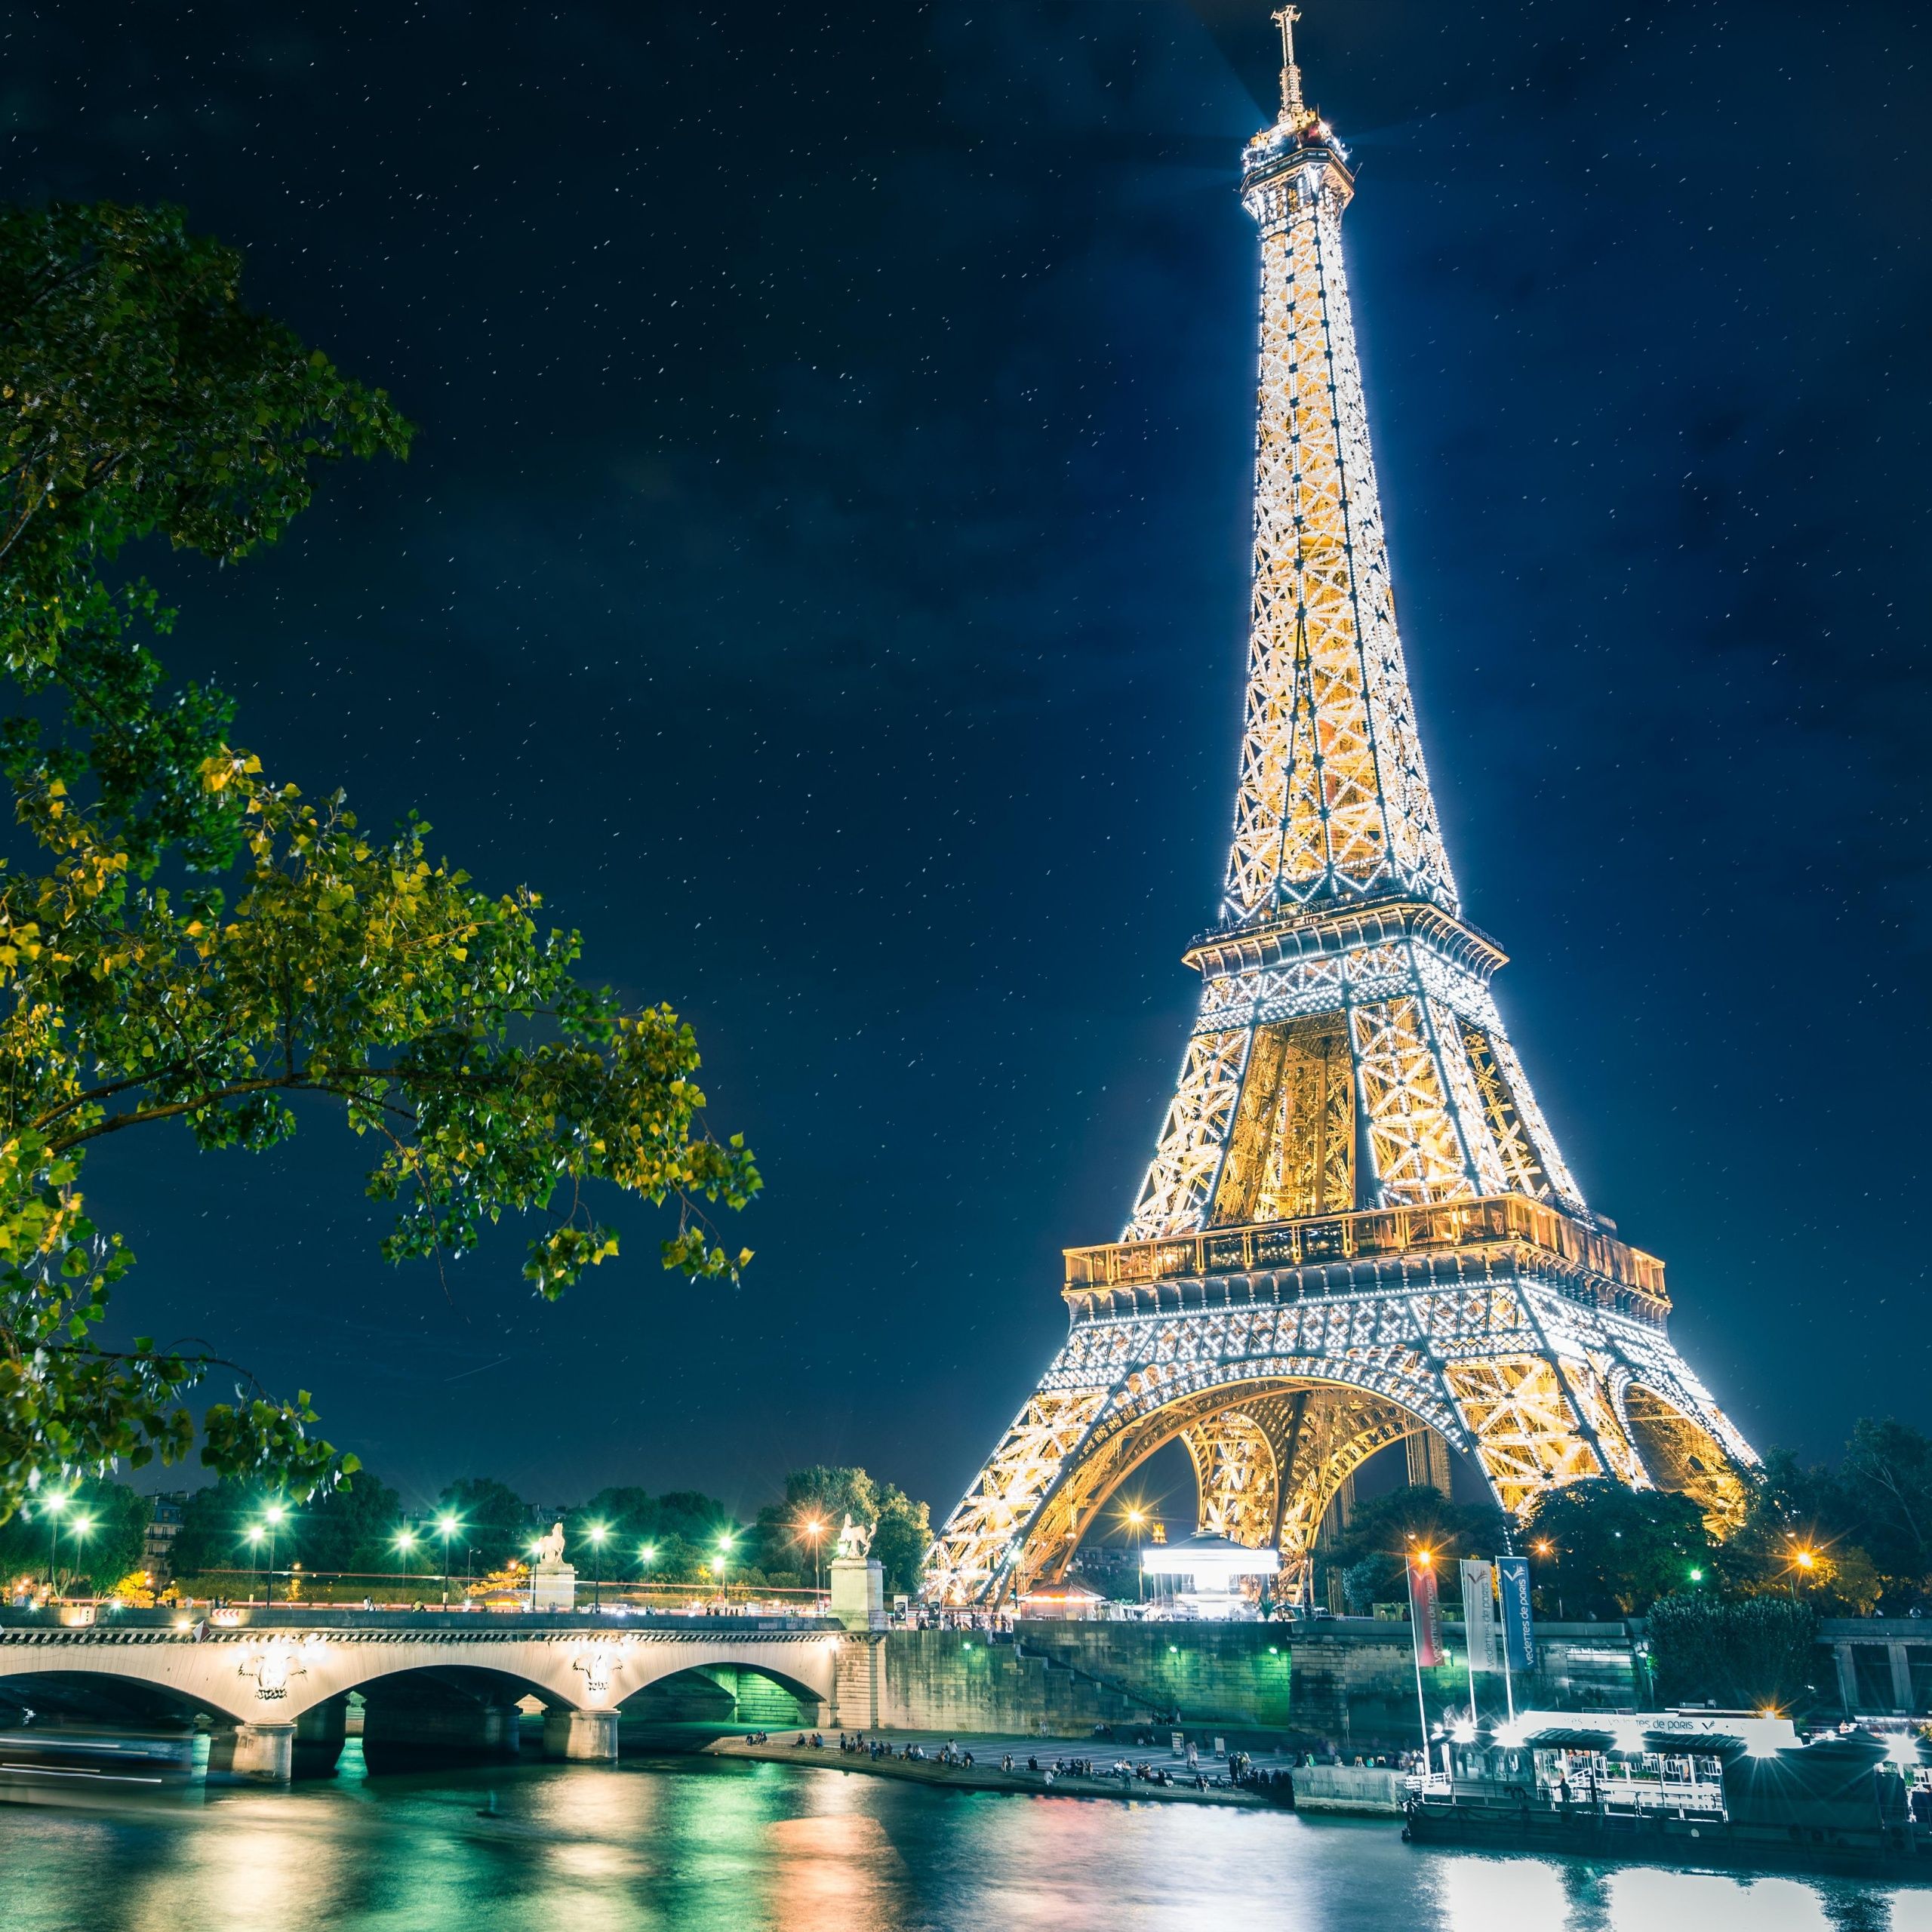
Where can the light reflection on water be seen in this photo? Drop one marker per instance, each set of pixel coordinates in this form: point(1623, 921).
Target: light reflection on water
point(739, 1848)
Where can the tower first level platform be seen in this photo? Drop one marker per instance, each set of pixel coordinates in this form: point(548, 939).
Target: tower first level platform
point(1284, 1354)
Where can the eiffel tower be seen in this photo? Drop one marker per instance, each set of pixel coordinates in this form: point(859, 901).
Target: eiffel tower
point(1357, 1230)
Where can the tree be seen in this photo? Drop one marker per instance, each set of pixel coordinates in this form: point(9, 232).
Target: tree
point(1606, 1551)
point(1801, 1535)
point(1371, 1551)
point(496, 1524)
point(624, 1515)
point(214, 1521)
point(1752, 1655)
point(198, 944)
point(902, 1529)
point(351, 1528)
point(1885, 1486)
point(821, 1495)
point(901, 1538)
point(93, 1538)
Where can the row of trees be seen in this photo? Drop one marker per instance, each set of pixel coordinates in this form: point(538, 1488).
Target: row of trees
point(1850, 1540)
point(94, 1537)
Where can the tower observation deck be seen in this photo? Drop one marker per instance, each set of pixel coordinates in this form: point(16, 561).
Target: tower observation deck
point(1357, 1227)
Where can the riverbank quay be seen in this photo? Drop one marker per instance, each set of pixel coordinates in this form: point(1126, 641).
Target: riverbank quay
point(985, 1773)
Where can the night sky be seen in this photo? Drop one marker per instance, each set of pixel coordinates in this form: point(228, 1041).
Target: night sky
point(822, 573)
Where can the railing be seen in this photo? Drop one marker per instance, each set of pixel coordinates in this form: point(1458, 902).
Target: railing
point(1378, 1232)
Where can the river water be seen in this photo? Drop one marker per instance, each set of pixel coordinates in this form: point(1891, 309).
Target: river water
point(706, 1846)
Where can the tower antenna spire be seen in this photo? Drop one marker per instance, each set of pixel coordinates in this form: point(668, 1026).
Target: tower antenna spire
point(1294, 110)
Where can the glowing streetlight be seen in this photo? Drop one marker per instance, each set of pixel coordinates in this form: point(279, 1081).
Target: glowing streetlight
point(81, 1527)
point(1544, 1547)
point(274, 1515)
point(598, 1532)
point(535, 1556)
point(448, 1525)
point(813, 1531)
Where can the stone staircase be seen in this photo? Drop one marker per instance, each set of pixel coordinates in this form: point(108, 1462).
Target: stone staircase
point(1071, 1688)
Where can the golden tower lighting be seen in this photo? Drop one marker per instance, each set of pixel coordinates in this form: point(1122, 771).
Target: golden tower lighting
point(1357, 1228)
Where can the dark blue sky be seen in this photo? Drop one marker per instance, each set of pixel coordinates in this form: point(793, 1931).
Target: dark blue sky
point(822, 572)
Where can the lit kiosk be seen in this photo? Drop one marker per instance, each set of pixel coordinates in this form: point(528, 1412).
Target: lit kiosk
point(552, 1581)
point(858, 1581)
point(1205, 1575)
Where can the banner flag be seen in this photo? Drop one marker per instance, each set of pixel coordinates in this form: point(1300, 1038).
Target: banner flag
point(1479, 1615)
point(1519, 1645)
point(1425, 1616)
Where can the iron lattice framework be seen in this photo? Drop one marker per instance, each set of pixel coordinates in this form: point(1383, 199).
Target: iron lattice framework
point(1357, 1224)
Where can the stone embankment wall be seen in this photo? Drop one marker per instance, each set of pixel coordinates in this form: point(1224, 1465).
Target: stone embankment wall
point(1350, 1683)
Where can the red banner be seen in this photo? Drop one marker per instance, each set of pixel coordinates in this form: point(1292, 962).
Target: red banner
point(1425, 1616)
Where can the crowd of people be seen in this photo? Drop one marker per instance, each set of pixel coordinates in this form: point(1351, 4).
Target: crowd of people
point(1271, 1781)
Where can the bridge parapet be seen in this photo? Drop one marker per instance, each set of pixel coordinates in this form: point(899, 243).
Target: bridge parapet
point(318, 1616)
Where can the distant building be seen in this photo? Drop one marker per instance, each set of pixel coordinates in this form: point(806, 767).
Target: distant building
point(163, 1526)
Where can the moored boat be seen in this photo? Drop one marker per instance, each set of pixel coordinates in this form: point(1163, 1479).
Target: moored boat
point(1696, 1787)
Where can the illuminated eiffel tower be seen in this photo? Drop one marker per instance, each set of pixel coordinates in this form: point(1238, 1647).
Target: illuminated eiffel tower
point(1357, 1228)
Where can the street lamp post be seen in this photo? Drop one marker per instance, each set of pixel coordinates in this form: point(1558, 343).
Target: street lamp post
point(536, 1551)
point(53, 1505)
point(1547, 1549)
point(1137, 1519)
point(1804, 1560)
point(449, 1526)
point(814, 1532)
point(254, 1557)
point(597, 1532)
point(405, 1542)
point(647, 1555)
point(1425, 1558)
point(722, 1559)
point(274, 1512)
point(80, 1527)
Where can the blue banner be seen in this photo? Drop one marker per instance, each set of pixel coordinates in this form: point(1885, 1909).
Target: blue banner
point(1519, 1643)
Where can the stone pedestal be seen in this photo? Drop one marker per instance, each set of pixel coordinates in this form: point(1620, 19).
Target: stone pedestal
point(858, 1592)
point(263, 1753)
point(582, 1737)
point(553, 1586)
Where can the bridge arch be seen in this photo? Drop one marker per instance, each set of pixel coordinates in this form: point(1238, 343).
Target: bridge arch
point(728, 1693)
point(97, 1696)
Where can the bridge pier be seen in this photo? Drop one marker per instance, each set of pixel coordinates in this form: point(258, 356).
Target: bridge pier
point(582, 1737)
point(263, 1753)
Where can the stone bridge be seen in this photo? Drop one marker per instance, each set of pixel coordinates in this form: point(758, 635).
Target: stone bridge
point(274, 1686)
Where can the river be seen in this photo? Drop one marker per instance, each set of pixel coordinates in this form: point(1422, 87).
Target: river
point(704, 1846)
